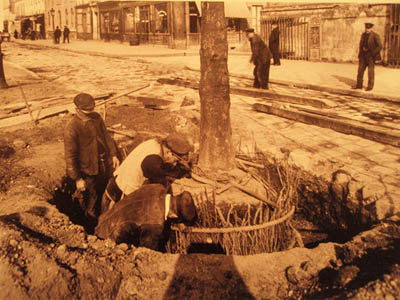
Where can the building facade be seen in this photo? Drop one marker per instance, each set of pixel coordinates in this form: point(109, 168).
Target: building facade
point(331, 31)
point(29, 18)
point(60, 13)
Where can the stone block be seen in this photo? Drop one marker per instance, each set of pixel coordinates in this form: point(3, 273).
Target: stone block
point(301, 159)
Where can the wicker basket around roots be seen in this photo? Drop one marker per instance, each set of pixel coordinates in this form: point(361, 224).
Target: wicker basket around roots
point(235, 230)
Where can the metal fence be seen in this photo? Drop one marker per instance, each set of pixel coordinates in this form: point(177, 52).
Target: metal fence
point(293, 39)
point(394, 36)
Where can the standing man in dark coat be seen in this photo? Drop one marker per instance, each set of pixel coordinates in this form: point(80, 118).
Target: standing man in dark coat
point(261, 57)
point(90, 154)
point(274, 43)
point(57, 35)
point(142, 217)
point(66, 34)
point(369, 52)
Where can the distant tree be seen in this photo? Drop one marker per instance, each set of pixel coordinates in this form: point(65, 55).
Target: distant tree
point(216, 149)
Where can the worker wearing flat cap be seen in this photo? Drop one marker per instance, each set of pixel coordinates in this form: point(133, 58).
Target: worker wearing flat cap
point(143, 217)
point(153, 161)
point(261, 57)
point(90, 154)
point(369, 53)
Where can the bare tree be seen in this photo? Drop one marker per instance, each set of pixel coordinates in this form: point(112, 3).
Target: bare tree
point(216, 149)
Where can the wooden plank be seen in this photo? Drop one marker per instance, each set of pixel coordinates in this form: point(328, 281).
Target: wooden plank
point(370, 132)
point(45, 113)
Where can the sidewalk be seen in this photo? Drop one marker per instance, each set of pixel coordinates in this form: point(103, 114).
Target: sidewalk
point(330, 77)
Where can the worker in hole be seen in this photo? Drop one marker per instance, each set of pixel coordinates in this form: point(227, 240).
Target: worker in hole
point(143, 217)
point(91, 155)
point(153, 161)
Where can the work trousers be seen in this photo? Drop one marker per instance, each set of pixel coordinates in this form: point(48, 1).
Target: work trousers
point(89, 200)
point(276, 56)
point(261, 75)
point(366, 60)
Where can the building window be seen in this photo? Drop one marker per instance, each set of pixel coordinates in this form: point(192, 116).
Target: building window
point(130, 17)
point(72, 17)
point(161, 18)
point(66, 16)
point(59, 19)
point(144, 16)
point(314, 37)
point(110, 22)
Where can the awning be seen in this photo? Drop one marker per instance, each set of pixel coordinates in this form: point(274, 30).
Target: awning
point(233, 9)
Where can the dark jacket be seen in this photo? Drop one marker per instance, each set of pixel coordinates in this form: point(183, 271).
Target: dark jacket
point(260, 52)
point(374, 45)
point(138, 218)
point(83, 138)
point(274, 40)
point(66, 31)
point(57, 33)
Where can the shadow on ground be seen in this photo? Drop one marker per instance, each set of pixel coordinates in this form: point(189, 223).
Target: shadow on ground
point(348, 81)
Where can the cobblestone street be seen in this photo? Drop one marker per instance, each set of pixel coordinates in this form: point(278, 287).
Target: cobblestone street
point(316, 149)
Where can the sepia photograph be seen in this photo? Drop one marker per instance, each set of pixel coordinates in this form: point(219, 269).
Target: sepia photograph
point(213, 150)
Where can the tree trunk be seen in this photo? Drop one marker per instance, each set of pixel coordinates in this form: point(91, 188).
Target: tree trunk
point(216, 150)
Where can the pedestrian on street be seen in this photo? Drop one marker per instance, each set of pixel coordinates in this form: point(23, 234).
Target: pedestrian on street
point(261, 57)
point(369, 53)
point(57, 35)
point(15, 34)
point(66, 34)
point(153, 161)
point(90, 154)
point(274, 43)
point(143, 217)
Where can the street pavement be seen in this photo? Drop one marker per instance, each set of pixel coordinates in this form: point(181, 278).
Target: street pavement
point(315, 149)
point(340, 76)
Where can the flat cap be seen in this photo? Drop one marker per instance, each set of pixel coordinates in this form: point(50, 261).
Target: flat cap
point(369, 25)
point(84, 101)
point(178, 144)
point(249, 30)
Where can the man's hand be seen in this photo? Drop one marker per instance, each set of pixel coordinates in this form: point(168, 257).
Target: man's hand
point(80, 185)
point(115, 161)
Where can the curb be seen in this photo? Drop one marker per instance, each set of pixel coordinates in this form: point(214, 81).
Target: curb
point(320, 88)
point(95, 53)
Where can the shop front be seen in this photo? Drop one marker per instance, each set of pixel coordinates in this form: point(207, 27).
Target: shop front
point(84, 22)
point(147, 23)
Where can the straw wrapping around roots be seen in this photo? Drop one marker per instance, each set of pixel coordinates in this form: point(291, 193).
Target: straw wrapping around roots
point(245, 229)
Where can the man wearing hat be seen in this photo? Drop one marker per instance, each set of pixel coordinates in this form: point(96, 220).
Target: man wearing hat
point(261, 57)
point(90, 154)
point(153, 161)
point(143, 217)
point(274, 43)
point(369, 53)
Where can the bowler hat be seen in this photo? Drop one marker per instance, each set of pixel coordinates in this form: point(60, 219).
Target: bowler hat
point(84, 101)
point(249, 30)
point(369, 25)
point(178, 144)
point(274, 22)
